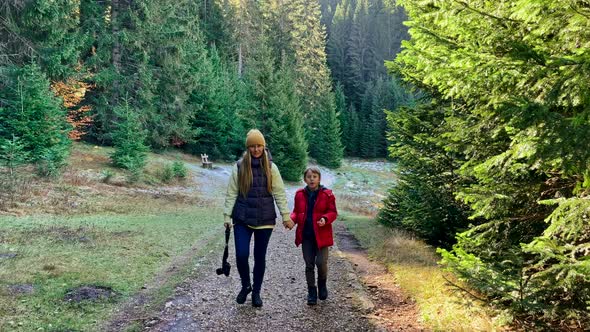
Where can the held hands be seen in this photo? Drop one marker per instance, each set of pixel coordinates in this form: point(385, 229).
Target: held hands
point(288, 223)
point(322, 222)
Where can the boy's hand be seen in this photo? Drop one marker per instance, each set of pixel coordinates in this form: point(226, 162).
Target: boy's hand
point(322, 222)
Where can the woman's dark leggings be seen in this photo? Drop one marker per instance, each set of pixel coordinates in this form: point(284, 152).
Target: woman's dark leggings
point(242, 236)
point(314, 257)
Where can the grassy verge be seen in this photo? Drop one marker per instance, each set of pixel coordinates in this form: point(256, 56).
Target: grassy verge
point(164, 290)
point(55, 255)
point(414, 265)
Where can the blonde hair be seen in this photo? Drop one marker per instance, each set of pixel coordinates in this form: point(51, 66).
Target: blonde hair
point(245, 172)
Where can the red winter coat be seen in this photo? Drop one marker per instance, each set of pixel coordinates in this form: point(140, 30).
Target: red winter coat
point(325, 206)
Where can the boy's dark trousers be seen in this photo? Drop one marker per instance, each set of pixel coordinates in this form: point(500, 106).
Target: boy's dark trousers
point(314, 257)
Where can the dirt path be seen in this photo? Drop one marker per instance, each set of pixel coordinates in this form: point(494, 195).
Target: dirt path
point(207, 302)
point(387, 306)
point(362, 297)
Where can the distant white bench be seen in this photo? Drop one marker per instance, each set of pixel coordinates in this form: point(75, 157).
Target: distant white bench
point(205, 161)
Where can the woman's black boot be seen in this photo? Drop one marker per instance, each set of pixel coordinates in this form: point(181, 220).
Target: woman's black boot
point(241, 298)
point(322, 289)
point(312, 295)
point(256, 300)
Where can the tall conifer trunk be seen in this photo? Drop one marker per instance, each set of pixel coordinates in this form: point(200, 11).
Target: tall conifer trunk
point(116, 51)
point(240, 61)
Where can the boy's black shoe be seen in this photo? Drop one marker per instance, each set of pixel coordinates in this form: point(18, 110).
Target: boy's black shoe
point(322, 289)
point(312, 295)
point(256, 300)
point(241, 298)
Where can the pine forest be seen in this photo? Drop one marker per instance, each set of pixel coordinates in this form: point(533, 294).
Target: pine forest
point(482, 106)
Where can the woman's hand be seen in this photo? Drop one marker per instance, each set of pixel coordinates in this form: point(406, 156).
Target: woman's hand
point(322, 222)
point(288, 223)
point(227, 221)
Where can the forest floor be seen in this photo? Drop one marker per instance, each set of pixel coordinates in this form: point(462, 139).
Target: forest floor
point(363, 296)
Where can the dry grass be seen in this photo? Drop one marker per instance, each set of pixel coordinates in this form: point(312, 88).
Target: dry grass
point(401, 248)
point(442, 308)
point(84, 188)
point(354, 204)
point(87, 156)
point(414, 265)
point(14, 190)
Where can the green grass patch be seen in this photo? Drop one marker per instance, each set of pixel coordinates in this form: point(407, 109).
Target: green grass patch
point(414, 265)
point(56, 254)
point(361, 185)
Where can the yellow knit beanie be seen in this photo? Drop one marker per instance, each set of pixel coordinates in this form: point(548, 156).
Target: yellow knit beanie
point(255, 137)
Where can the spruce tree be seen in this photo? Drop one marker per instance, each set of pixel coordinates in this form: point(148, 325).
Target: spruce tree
point(387, 31)
point(30, 111)
point(328, 9)
point(12, 153)
point(361, 61)
point(328, 143)
point(216, 123)
point(219, 20)
point(366, 131)
point(352, 136)
point(44, 32)
point(177, 63)
point(515, 85)
point(387, 95)
point(343, 117)
point(363, 34)
point(337, 43)
point(287, 136)
point(156, 57)
point(278, 25)
point(313, 78)
point(214, 25)
point(259, 78)
point(129, 141)
point(246, 27)
point(422, 200)
point(104, 27)
point(275, 110)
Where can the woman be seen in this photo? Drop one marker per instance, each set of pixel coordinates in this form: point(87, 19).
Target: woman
point(254, 188)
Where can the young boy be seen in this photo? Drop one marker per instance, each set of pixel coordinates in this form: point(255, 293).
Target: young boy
point(314, 213)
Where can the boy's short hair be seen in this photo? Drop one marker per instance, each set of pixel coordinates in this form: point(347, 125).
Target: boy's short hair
point(312, 169)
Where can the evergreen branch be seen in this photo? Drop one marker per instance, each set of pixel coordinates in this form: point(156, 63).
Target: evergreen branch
point(463, 289)
point(501, 19)
point(550, 191)
point(561, 62)
point(447, 41)
point(529, 217)
point(26, 42)
point(577, 11)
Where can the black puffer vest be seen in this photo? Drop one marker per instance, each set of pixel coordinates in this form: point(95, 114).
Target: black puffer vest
point(258, 208)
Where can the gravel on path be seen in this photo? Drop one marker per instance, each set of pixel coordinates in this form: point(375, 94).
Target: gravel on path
point(207, 303)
